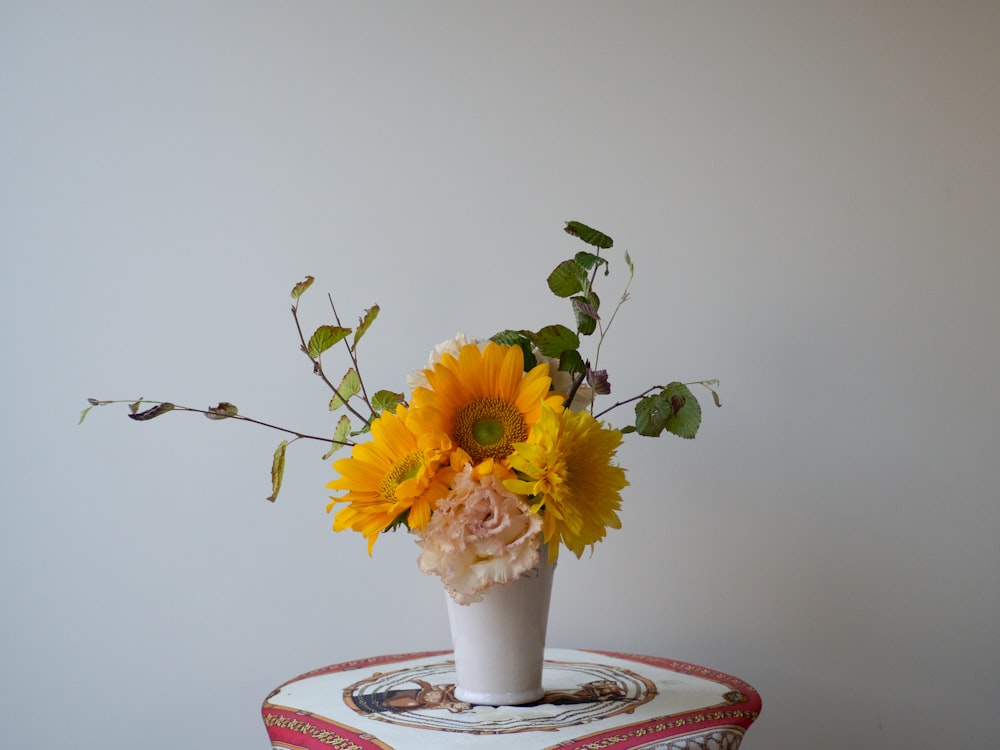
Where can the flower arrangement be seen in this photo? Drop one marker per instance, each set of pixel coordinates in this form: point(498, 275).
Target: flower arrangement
point(499, 451)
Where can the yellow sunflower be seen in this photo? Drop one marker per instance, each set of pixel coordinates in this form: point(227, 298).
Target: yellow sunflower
point(484, 401)
point(398, 472)
point(567, 468)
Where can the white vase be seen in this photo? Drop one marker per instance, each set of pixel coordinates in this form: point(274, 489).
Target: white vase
point(499, 643)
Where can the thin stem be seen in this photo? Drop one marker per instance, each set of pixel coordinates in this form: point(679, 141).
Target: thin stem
point(577, 382)
point(604, 329)
point(707, 383)
point(217, 415)
point(593, 271)
point(354, 360)
point(628, 400)
point(318, 368)
point(296, 433)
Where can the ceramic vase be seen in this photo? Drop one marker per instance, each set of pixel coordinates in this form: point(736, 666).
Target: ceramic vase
point(499, 642)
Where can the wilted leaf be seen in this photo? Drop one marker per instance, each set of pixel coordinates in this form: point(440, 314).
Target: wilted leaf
point(349, 386)
point(567, 279)
point(299, 289)
point(340, 435)
point(152, 413)
point(325, 337)
point(94, 402)
point(386, 401)
point(553, 340)
point(598, 380)
point(588, 235)
point(342, 431)
point(278, 470)
point(364, 323)
point(224, 410)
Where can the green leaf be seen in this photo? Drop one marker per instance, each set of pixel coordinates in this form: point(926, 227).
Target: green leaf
point(402, 521)
point(349, 386)
point(571, 361)
point(85, 412)
point(325, 337)
point(585, 312)
point(674, 409)
point(277, 470)
point(224, 410)
point(386, 401)
point(588, 260)
point(650, 415)
point(340, 435)
point(299, 289)
point(151, 413)
point(588, 235)
point(567, 279)
point(553, 340)
point(364, 323)
point(521, 339)
point(684, 417)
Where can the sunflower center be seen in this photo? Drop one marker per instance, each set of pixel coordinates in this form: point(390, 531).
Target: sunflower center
point(487, 431)
point(488, 428)
point(405, 468)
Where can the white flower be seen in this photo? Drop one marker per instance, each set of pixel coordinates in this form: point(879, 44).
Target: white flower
point(481, 534)
point(562, 381)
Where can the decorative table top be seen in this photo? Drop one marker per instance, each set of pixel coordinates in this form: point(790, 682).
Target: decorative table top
point(594, 699)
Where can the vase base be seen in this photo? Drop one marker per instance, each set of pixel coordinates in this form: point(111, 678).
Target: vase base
point(478, 698)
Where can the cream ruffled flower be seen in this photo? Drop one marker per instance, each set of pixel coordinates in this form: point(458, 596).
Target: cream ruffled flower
point(479, 535)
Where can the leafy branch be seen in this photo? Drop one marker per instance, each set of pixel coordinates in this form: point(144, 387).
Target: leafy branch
point(324, 338)
point(350, 390)
point(224, 410)
point(672, 407)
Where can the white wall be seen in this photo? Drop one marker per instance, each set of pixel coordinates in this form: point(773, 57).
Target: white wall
point(810, 194)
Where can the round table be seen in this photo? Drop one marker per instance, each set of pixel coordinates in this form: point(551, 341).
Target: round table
point(594, 699)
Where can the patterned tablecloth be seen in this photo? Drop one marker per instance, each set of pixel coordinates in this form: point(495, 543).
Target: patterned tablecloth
point(594, 699)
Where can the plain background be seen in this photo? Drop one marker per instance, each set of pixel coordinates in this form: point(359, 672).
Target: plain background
point(809, 191)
